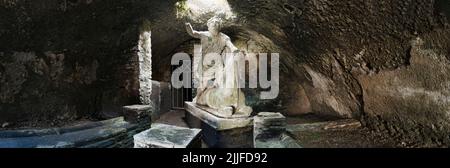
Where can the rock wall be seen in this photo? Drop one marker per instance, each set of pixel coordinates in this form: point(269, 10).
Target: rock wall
point(355, 59)
point(324, 44)
point(62, 61)
point(411, 102)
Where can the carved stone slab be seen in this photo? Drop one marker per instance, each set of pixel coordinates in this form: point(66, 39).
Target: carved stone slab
point(216, 122)
point(167, 136)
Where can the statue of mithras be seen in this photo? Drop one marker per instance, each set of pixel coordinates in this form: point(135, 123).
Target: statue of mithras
point(218, 88)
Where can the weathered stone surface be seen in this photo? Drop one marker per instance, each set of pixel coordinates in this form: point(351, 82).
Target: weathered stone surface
point(340, 42)
point(145, 64)
point(283, 141)
point(62, 130)
point(160, 98)
point(334, 37)
point(138, 113)
point(269, 131)
point(165, 97)
point(220, 132)
point(412, 101)
point(346, 133)
point(326, 125)
point(329, 96)
point(302, 105)
point(215, 122)
point(232, 138)
point(113, 133)
point(167, 136)
point(68, 60)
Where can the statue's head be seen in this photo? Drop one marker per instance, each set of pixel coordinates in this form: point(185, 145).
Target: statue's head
point(214, 25)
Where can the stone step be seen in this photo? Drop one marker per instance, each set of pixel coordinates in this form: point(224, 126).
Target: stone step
point(270, 131)
point(70, 139)
point(62, 130)
point(110, 133)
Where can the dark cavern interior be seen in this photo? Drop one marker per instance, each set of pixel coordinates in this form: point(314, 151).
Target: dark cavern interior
point(349, 74)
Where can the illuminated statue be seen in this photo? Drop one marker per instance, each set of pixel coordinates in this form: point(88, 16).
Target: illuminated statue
point(217, 73)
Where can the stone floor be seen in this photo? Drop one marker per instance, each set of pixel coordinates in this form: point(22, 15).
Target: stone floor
point(316, 132)
point(173, 117)
point(176, 118)
point(339, 134)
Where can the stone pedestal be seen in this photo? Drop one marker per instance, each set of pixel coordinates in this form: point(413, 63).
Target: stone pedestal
point(270, 131)
point(220, 132)
point(168, 136)
point(160, 99)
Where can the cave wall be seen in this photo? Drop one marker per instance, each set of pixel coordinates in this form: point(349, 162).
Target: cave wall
point(361, 59)
point(411, 102)
point(324, 43)
point(67, 60)
point(62, 61)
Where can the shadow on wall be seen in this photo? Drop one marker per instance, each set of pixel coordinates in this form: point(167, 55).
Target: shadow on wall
point(66, 62)
point(443, 6)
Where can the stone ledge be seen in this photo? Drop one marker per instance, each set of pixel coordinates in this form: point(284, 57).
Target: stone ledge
point(137, 113)
point(215, 122)
point(62, 130)
point(284, 141)
point(344, 123)
point(270, 131)
point(113, 133)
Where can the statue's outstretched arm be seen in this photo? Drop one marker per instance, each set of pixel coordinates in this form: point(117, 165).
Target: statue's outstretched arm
point(231, 46)
point(192, 32)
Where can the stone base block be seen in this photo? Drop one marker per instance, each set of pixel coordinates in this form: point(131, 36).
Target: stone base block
point(160, 99)
point(220, 132)
point(270, 131)
point(137, 113)
point(168, 136)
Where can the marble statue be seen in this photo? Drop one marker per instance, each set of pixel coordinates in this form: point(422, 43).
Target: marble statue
point(221, 100)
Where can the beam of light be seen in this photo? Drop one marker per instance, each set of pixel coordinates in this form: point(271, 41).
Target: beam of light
point(199, 10)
